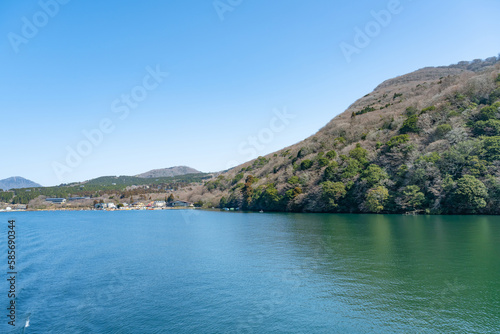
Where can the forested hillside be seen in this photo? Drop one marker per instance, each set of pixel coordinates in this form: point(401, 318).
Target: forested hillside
point(120, 186)
point(425, 142)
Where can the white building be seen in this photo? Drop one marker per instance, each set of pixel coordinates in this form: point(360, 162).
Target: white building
point(160, 204)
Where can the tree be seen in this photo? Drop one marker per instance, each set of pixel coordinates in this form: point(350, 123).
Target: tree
point(376, 198)
point(322, 162)
point(412, 198)
point(471, 194)
point(492, 148)
point(306, 164)
point(331, 154)
point(360, 154)
point(489, 112)
point(270, 199)
point(170, 198)
point(292, 193)
point(373, 175)
point(222, 202)
point(351, 169)
point(331, 171)
point(398, 140)
point(294, 180)
point(332, 192)
point(410, 125)
point(442, 130)
point(247, 191)
point(490, 127)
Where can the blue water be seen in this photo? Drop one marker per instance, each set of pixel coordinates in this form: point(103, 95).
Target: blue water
point(179, 271)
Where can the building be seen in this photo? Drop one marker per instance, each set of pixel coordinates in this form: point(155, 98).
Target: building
point(56, 200)
point(181, 204)
point(160, 204)
point(105, 206)
point(77, 198)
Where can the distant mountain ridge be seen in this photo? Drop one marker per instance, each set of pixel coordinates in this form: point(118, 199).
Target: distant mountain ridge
point(17, 182)
point(169, 172)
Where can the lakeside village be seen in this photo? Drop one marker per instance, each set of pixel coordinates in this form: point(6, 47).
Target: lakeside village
point(110, 206)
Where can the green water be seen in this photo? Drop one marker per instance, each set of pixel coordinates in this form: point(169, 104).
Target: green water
point(179, 271)
point(416, 274)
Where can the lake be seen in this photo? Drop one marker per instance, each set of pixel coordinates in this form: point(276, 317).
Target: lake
point(187, 271)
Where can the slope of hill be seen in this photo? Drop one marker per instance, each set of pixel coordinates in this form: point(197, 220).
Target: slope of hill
point(169, 172)
point(118, 182)
point(425, 142)
point(17, 182)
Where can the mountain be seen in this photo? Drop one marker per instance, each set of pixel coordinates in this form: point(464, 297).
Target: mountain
point(168, 172)
point(424, 142)
point(17, 182)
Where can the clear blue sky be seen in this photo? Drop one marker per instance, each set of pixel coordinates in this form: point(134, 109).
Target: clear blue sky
point(225, 77)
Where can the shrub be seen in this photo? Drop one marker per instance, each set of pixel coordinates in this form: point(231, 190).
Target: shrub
point(285, 153)
point(489, 112)
point(306, 164)
point(339, 140)
point(237, 178)
point(432, 157)
point(431, 108)
point(293, 180)
point(494, 96)
point(410, 125)
point(442, 130)
point(490, 127)
point(322, 162)
point(292, 193)
point(410, 111)
point(398, 140)
point(359, 153)
point(331, 171)
point(260, 162)
point(331, 154)
point(363, 111)
point(351, 169)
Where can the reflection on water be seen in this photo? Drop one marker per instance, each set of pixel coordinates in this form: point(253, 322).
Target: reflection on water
point(218, 272)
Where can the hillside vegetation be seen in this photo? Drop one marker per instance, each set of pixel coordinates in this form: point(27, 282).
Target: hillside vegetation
point(169, 172)
point(425, 142)
point(122, 187)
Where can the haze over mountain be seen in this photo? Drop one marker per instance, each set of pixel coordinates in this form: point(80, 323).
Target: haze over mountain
point(17, 182)
point(168, 172)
